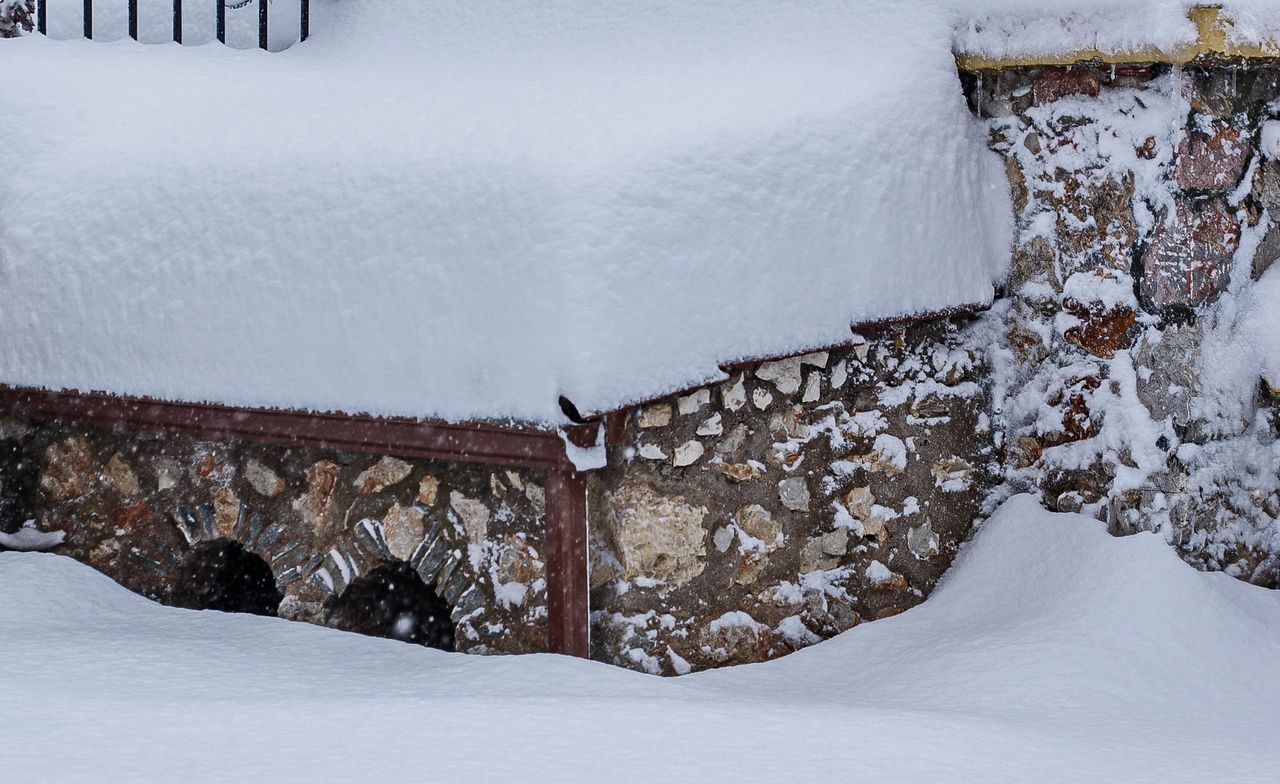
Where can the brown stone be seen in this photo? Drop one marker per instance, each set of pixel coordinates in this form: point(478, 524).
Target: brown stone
point(739, 472)
point(428, 489)
point(68, 471)
point(130, 517)
point(1101, 332)
point(1212, 161)
point(314, 504)
point(755, 521)
point(226, 513)
point(735, 637)
point(121, 477)
point(1188, 262)
point(1056, 82)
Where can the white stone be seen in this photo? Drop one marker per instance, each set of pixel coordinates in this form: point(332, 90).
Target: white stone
point(735, 397)
point(404, 529)
point(839, 374)
point(783, 374)
point(263, 480)
point(687, 454)
point(722, 538)
point(922, 541)
point(381, 475)
point(836, 543)
point(761, 399)
point(122, 477)
point(656, 536)
point(652, 452)
point(733, 442)
point(474, 516)
point(794, 494)
point(817, 359)
point(813, 389)
point(657, 415)
point(711, 426)
point(692, 403)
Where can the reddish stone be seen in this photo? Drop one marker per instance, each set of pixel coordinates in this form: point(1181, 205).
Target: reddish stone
point(1077, 424)
point(1212, 161)
point(1101, 332)
point(1056, 82)
point(1188, 262)
point(132, 516)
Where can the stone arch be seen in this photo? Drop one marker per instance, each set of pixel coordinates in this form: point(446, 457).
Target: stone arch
point(392, 601)
point(221, 574)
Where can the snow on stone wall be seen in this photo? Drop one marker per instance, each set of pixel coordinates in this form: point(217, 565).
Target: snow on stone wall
point(796, 500)
point(1134, 336)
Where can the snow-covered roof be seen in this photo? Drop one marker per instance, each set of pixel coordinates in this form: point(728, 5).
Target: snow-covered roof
point(468, 209)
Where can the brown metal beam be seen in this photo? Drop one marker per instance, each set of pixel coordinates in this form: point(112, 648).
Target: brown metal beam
point(568, 613)
point(471, 443)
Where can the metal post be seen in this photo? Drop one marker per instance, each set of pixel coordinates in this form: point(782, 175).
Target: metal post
point(262, 25)
point(568, 608)
point(88, 19)
point(222, 21)
point(306, 20)
point(133, 19)
point(42, 22)
point(177, 21)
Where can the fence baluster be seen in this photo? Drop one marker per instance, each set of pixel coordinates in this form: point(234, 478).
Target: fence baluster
point(262, 25)
point(177, 21)
point(88, 19)
point(222, 21)
point(306, 20)
point(42, 23)
point(133, 19)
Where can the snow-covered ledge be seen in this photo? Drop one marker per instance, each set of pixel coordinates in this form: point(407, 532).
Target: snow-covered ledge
point(1123, 35)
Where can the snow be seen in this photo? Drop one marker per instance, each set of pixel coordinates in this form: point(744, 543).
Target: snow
point(467, 209)
point(1008, 29)
point(1051, 652)
point(29, 538)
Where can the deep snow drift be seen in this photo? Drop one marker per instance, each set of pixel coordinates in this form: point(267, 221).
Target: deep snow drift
point(1051, 652)
point(468, 208)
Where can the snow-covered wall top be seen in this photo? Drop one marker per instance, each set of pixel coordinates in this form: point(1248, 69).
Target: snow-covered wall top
point(467, 209)
point(1022, 29)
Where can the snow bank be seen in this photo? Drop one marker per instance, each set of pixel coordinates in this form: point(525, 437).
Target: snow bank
point(1051, 652)
point(466, 209)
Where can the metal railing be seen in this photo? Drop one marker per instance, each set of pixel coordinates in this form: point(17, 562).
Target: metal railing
point(42, 23)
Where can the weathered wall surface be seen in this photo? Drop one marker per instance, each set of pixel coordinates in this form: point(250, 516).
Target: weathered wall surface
point(1146, 211)
point(134, 506)
point(802, 497)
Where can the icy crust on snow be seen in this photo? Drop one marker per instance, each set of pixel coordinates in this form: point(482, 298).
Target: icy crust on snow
point(468, 209)
point(1050, 652)
point(1007, 29)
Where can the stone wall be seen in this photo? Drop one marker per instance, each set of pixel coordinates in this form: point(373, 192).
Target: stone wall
point(802, 497)
point(1145, 211)
point(136, 507)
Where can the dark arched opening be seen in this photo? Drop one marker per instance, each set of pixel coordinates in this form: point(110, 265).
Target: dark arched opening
point(222, 575)
point(392, 601)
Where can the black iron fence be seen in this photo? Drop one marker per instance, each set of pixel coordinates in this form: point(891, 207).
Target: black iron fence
point(264, 21)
